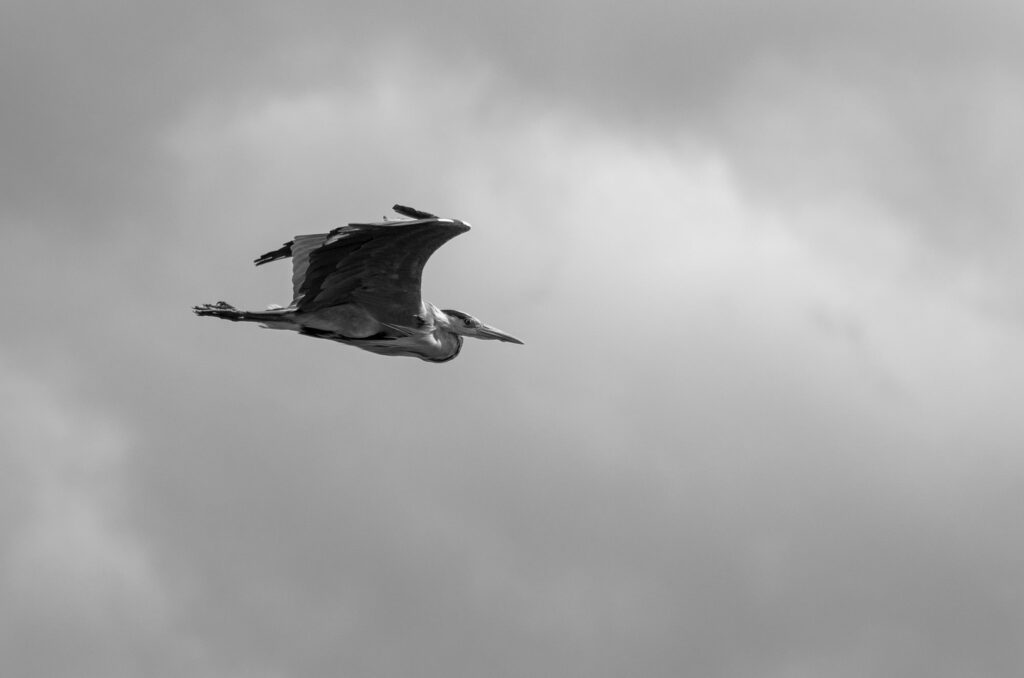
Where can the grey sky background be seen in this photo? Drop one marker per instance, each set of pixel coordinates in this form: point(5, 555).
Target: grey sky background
point(765, 257)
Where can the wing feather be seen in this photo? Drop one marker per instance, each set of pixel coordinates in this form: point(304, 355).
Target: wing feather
point(302, 247)
point(299, 250)
point(378, 266)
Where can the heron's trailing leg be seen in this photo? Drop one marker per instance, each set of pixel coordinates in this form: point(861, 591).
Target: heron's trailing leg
point(226, 311)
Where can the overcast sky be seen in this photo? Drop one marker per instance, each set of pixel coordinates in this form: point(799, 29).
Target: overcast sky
point(765, 257)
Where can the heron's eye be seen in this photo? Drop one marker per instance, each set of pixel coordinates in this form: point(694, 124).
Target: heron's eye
point(469, 322)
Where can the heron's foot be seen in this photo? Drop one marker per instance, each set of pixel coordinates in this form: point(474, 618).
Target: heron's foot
point(221, 309)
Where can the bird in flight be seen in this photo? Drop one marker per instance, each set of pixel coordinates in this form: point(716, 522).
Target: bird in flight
point(360, 285)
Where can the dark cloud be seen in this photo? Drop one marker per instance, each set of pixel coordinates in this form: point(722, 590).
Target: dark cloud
point(761, 425)
point(90, 91)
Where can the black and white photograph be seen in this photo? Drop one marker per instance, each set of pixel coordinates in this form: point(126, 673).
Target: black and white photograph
point(564, 339)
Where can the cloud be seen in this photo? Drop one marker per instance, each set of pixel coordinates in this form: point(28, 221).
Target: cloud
point(762, 424)
point(77, 588)
point(811, 102)
point(759, 463)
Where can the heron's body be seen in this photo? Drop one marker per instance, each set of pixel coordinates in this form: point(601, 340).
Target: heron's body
point(360, 285)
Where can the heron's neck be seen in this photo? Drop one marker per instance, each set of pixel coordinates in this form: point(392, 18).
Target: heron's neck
point(446, 341)
point(449, 343)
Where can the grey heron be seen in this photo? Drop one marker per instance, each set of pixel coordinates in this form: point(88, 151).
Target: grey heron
point(360, 285)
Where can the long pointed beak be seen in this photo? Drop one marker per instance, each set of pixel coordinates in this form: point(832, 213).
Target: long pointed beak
point(488, 332)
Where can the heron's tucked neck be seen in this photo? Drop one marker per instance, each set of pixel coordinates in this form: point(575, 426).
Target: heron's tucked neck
point(447, 345)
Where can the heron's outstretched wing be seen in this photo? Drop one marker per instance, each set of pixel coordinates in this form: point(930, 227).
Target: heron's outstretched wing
point(378, 266)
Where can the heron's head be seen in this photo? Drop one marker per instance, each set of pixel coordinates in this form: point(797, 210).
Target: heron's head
point(468, 326)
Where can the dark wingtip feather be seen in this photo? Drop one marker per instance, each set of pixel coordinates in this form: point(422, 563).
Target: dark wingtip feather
point(413, 212)
point(282, 253)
